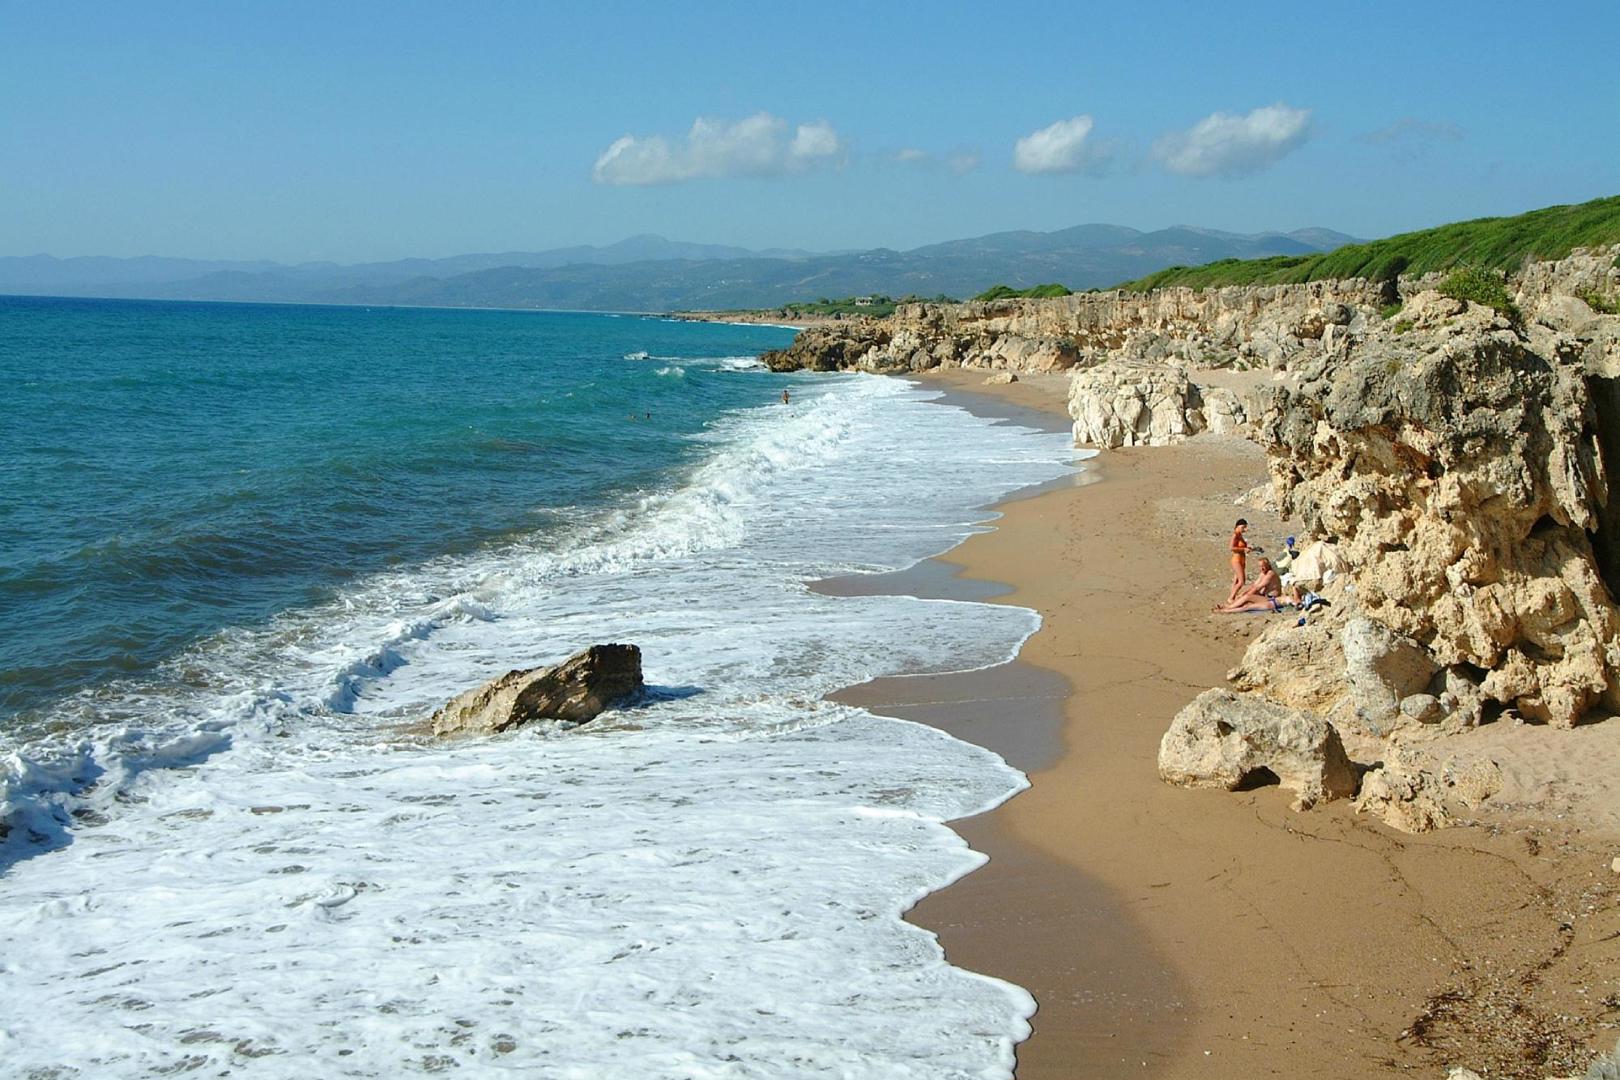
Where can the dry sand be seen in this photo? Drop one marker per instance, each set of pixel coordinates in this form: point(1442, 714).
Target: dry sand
point(1176, 933)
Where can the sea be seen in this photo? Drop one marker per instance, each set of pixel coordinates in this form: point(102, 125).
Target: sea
point(245, 550)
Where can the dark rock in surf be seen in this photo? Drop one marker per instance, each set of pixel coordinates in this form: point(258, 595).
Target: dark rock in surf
point(573, 692)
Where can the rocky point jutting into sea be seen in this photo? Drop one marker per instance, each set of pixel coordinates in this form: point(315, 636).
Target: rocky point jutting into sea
point(1456, 456)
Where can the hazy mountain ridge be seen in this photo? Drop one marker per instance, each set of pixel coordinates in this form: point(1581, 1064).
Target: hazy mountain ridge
point(651, 273)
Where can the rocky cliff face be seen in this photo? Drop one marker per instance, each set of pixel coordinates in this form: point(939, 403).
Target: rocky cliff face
point(1240, 326)
point(1457, 463)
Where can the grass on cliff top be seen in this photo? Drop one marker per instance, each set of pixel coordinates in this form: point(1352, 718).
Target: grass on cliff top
point(1007, 292)
point(878, 306)
point(1503, 243)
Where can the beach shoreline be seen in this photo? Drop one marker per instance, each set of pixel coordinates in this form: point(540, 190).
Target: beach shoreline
point(767, 317)
point(1176, 933)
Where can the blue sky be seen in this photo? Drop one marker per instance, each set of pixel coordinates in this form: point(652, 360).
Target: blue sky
point(359, 131)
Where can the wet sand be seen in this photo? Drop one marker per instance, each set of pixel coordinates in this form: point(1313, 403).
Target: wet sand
point(1175, 933)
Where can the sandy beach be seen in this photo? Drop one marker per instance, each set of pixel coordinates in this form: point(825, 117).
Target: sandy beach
point(1176, 933)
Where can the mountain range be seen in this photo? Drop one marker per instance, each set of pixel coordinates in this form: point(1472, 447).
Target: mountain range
point(651, 273)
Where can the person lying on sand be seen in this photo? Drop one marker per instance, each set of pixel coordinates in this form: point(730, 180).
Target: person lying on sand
point(1261, 596)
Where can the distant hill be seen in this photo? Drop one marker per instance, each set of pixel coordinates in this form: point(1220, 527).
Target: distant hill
point(44, 273)
point(1500, 243)
point(651, 273)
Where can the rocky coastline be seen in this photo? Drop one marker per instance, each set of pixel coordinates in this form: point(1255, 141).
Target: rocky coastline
point(1457, 457)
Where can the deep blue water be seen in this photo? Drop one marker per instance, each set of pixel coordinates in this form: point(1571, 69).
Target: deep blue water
point(169, 469)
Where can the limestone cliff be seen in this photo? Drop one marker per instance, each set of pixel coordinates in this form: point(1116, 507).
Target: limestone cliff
point(1239, 326)
point(1457, 463)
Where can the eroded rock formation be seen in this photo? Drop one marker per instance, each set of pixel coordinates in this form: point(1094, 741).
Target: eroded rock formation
point(1226, 740)
point(1458, 465)
point(573, 692)
point(1134, 403)
point(1264, 326)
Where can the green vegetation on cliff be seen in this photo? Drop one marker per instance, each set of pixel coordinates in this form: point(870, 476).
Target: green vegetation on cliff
point(1482, 286)
point(877, 306)
point(1486, 243)
point(1007, 292)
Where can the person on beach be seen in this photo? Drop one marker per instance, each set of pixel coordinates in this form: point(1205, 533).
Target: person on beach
point(1240, 569)
point(1263, 595)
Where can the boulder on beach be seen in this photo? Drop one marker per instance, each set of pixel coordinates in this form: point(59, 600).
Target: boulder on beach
point(572, 692)
point(1383, 669)
point(1229, 740)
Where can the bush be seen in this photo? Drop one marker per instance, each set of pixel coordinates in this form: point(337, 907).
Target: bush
point(1603, 305)
point(1389, 311)
point(1007, 292)
point(1403, 326)
point(1479, 285)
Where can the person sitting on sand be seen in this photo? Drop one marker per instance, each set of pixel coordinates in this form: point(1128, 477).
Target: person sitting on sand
point(1240, 569)
point(1263, 595)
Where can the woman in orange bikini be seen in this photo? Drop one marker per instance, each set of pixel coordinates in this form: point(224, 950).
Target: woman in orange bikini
point(1240, 569)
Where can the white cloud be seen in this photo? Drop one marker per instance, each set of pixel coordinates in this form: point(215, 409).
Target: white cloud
point(815, 142)
point(759, 145)
point(962, 162)
point(910, 155)
point(1222, 144)
point(1063, 147)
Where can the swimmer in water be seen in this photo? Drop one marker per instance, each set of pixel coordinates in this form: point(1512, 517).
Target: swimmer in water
point(785, 399)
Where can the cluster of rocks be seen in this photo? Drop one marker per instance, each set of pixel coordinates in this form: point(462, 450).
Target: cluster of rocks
point(1135, 403)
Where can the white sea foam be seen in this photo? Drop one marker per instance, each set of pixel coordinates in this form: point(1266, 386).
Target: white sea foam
point(265, 877)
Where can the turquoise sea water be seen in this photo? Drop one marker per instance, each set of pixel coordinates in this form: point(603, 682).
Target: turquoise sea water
point(246, 550)
point(170, 469)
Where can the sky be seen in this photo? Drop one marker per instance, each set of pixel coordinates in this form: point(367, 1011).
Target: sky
point(368, 131)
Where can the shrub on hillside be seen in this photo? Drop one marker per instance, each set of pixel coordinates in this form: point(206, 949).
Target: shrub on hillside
point(1603, 305)
point(1479, 285)
point(1007, 292)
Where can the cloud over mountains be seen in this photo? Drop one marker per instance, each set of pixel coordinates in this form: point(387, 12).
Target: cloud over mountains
point(1063, 147)
point(761, 145)
point(1223, 144)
